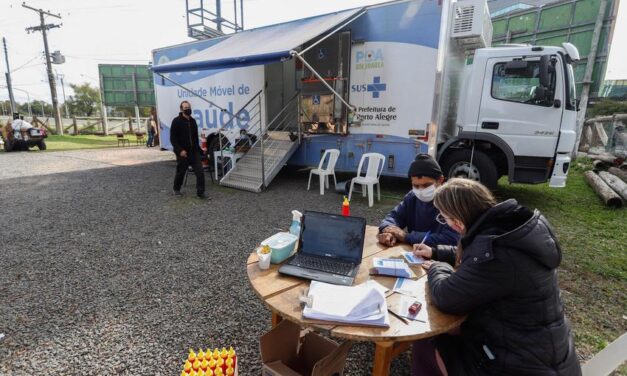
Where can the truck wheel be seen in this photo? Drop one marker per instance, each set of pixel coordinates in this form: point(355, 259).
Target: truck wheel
point(457, 165)
point(41, 145)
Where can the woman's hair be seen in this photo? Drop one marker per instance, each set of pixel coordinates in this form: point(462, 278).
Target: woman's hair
point(463, 199)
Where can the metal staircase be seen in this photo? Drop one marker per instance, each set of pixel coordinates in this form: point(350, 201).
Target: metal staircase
point(274, 145)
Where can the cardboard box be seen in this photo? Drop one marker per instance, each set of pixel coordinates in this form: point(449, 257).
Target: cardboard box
point(285, 353)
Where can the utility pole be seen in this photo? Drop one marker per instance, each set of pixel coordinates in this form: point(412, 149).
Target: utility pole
point(43, 27)
point(8, 76)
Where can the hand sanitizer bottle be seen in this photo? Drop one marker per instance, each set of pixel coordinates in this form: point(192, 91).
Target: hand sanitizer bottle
point(295, 227)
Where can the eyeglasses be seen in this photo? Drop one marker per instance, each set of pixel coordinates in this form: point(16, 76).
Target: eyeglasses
point(440, 219)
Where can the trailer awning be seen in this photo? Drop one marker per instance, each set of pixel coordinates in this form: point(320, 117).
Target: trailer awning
point(259, 46)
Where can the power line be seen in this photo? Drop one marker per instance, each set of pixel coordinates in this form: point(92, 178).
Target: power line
point(24, 65)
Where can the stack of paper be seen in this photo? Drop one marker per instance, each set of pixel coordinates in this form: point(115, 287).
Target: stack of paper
point(359, 305)
point(392, 267)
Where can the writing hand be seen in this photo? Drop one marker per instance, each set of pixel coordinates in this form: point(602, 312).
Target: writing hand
point(423, 251)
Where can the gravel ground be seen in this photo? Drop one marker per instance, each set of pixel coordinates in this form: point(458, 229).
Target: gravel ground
point(103, 272)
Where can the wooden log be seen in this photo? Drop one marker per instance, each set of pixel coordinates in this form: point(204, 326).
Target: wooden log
point(619, 173)
point(607, 194)
point(615, 183)
point(607, 158)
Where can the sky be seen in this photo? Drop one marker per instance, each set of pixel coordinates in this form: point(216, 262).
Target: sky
point(125, 32)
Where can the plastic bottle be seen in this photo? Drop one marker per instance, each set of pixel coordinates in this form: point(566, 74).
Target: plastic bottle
point(192, 356)
point(295, 227)
point(346, 208)
point(232, 355)
point(208, 355)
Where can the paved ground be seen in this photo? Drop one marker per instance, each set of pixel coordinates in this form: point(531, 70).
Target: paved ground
point(102, 271)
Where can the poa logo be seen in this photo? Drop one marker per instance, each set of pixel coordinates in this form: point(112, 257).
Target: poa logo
point(369, 59)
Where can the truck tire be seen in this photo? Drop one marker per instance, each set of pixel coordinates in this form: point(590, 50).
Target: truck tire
point(41, 145)
point(457, 165)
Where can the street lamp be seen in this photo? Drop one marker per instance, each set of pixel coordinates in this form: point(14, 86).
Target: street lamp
point(60, 77)
point(30, 113)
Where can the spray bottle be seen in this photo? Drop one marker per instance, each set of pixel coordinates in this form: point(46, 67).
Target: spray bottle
point(295, 227)
point(346, 209)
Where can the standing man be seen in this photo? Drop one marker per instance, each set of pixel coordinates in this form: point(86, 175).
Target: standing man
point(184, 140)
point(414, 220)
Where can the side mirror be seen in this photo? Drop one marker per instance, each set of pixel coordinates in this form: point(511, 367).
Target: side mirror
point(540, 93)
point(545, 64)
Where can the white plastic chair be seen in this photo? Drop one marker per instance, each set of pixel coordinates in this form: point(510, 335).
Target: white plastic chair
point(329, 170)
point(373, 171)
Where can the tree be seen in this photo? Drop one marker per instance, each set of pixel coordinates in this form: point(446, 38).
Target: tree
point(85, 100)
point(606, 107)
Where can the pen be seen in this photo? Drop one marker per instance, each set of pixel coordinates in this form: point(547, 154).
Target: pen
point(404, 320)
point(426, 237)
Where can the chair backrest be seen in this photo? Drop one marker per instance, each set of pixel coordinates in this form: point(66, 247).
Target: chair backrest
point(375, 164)
point(333, 155)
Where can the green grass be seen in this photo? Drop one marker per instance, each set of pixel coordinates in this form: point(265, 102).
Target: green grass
point(58, 143)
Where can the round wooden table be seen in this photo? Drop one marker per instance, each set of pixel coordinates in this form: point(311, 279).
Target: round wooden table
point(280, 293)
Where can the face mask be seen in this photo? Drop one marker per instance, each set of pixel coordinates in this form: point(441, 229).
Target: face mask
point(425, 195)
point(187, 111)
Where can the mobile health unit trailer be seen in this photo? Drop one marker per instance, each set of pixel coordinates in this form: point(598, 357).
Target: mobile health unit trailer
point(398, 78)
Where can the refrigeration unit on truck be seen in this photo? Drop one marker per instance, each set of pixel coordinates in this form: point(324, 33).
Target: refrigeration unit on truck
point(401, 78)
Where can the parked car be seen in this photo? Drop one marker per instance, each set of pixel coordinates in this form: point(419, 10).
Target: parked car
point(20, 135)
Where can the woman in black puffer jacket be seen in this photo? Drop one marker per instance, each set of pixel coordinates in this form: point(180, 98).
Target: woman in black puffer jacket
point(503, 276)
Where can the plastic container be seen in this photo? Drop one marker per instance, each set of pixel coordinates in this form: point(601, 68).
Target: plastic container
point(282, 245)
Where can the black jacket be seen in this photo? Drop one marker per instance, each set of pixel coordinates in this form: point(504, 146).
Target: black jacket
point(507, 285)
point(184, 135)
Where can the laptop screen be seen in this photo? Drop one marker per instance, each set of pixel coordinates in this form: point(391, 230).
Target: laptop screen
point(331, 235)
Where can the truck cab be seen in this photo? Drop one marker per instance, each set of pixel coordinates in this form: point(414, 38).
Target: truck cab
point(516, 116)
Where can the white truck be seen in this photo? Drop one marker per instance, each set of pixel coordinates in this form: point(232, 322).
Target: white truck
point(399, 78)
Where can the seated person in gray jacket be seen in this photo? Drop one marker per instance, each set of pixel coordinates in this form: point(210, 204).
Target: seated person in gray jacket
point(415, 216)
point(503, 278)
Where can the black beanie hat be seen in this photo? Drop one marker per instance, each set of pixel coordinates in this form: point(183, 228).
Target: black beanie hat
point(424, 165)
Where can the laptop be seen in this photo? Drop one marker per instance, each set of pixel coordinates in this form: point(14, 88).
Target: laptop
point(330, 248)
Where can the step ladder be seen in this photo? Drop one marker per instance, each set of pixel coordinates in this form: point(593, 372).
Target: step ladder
point(275, 143)
point(247, 172)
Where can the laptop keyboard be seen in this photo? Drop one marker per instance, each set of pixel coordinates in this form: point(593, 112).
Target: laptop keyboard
point(322, 263)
